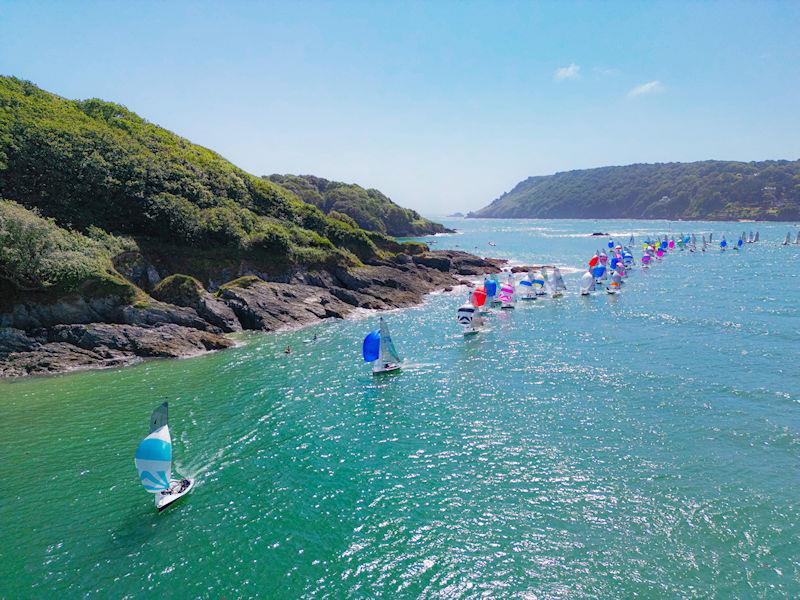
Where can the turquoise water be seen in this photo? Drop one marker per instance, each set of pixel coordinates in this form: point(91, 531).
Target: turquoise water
point(645, 444)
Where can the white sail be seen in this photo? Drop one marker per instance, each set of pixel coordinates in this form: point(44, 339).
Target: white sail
point(755, 239)
point(786, 240)
point(797, 239)
point(388, 353)
point(153, 459)
point(558, 280)
point(587, 283)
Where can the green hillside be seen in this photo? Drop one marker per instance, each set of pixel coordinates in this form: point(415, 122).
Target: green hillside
point(92, 170)
point(370, 209)
point(716, 190)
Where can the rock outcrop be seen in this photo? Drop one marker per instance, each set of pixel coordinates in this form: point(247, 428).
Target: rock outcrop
point(182, 318)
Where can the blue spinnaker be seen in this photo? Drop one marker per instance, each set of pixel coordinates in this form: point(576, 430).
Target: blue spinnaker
point(597, 272)
point(372, 346)
point(491, 287)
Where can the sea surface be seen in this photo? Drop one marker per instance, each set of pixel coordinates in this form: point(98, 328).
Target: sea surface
point(645, 444)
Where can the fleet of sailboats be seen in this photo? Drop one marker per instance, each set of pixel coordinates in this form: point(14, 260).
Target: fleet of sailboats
point(153, 456)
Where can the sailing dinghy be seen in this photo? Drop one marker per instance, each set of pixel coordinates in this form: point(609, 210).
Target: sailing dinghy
point(378, 348)
point(614, 284)
point(550, 286)
point(526, 286)
point(786, 241)
point(469, 318)
point(506, 296)
point(153, 461)
point(587, 284)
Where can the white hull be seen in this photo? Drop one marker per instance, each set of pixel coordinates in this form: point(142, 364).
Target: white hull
point(386, 368)
point(163, 500)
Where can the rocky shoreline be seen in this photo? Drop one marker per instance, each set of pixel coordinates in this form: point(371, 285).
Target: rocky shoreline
point(76, 333)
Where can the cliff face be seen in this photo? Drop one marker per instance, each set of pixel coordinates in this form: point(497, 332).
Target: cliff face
point(714, 190)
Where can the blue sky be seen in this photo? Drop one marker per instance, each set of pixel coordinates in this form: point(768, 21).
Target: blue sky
point(441, 105)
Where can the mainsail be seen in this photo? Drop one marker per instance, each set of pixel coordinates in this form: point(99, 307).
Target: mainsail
point(558, 279)
point(153, 456)
point(388, 353)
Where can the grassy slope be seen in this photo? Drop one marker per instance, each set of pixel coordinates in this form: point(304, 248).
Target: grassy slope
point(701, 190)
point(370, 209)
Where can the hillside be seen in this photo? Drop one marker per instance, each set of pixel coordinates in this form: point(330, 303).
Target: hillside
point(714, 190)
point(120, 239)
point(370, 209)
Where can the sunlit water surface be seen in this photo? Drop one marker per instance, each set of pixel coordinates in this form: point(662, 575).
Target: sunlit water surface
point(606, 446)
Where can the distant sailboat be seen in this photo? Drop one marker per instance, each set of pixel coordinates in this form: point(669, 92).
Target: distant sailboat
point(797, 239)
point(723, 244)
point(469, 318)
point(153, 461)
point(614, 284)
point(506, 296)
point(537, 281)
point(550, 286)
point(379, 348)
point(558, 280)
point(587, 284)
point(756, 239)
point(788, 237)
point(526, 287)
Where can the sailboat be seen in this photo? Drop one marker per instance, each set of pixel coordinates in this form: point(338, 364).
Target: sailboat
point(379, 348)
point(153, 461)
point(550, 286)
point(469, 318)
point(506, 296)
point(723, 244)
point(755, 239)
point(797, 239)
point(526, 286)
point(614, 285)
point(788, 237)
point(558, 280)
point(587, 284)
point(537, 279)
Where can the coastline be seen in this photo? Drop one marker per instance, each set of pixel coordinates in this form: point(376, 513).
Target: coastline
point(39, 341)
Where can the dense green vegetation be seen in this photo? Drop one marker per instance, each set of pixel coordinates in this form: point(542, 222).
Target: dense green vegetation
point(369, 209)
point(37, 256)
point(88, 174)
point(719, 190)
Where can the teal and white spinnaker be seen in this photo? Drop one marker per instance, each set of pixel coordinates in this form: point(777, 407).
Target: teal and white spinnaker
point(154, 454)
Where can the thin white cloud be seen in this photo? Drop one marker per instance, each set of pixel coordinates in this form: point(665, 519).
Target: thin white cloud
point(572, 71)
point(606, 71)
point(651, 87)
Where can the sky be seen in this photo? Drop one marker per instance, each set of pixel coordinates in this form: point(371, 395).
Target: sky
point(441, 105)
